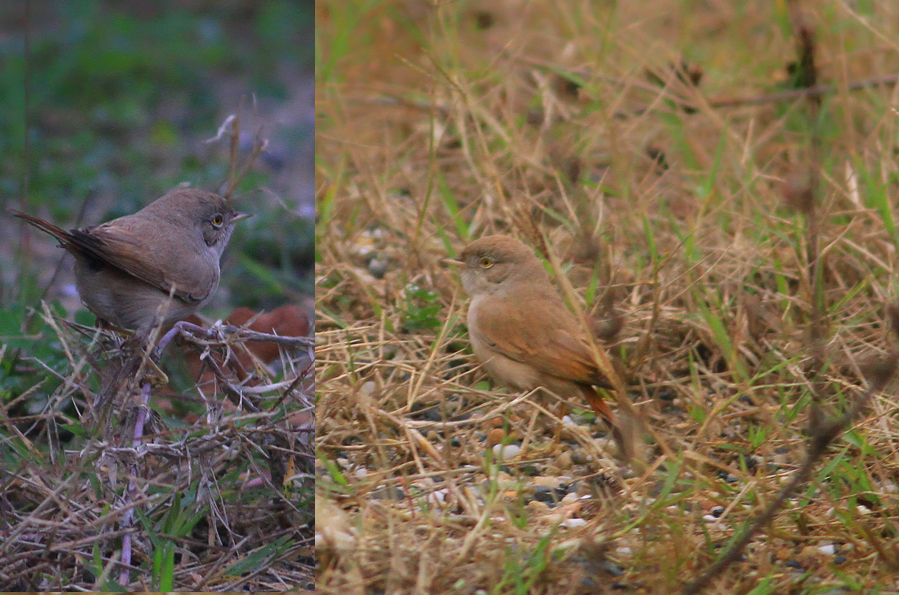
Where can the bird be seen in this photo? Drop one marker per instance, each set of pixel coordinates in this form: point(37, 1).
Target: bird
point(156, 266)
point(520, 329)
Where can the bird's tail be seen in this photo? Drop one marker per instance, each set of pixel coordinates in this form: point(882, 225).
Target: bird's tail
point(64, 237)
point(601, 409)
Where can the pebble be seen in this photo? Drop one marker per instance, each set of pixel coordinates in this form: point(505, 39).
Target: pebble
point(570, 498)
point(388, 493)
point(547, 480)
point(729, 478)
point(507, 452)
point(827, 550)
point(495, 436)
point(539, 507)
point(529, 470)
point(574, 523)
point(551, 496)
point(438, 497)
point(579, 457)
point(377, 267)
point(564, 461)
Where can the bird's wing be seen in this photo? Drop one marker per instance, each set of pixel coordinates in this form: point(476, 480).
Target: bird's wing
point(125, 248)
point(540, 333)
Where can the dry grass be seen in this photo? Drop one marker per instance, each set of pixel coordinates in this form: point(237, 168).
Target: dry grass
point(220, 505)
point(748, 246)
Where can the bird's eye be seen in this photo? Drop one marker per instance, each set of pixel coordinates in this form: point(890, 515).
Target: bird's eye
point(486, 262)
point(217, 220)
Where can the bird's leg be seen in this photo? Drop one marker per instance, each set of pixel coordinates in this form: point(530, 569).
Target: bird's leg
point(155, 375)
point(178, 328)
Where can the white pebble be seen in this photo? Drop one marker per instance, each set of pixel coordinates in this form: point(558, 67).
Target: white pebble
point(574, 523)
point(438, 497)
point(509, 451)
point(827, 550)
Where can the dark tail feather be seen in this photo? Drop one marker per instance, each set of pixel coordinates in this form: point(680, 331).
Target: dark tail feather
point(602, 409)
point(64, 237)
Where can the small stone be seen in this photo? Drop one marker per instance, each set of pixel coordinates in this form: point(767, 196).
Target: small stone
point(507, 452)
point(544, 494)
point(729, 478)
point(387, 493)
point(808, 552)
point(564, 460)
point(538, 507)
point(570, 498)
point(529, 470)
point(574, 523)
point(579, 457)
point(377, 268)
point(495, 436)
point(547, 480)
point(438, 497)
point(751, 462)
point(827, 550)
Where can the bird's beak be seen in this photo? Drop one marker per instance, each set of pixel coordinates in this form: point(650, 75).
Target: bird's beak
point(452, 261)
point(238, 215)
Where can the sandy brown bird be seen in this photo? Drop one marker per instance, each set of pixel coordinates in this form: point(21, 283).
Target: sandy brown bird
point(520, 328)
